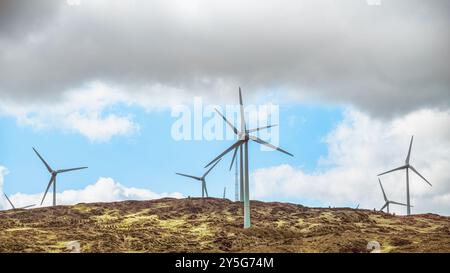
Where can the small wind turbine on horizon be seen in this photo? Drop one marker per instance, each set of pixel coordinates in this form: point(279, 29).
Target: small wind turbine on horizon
point(242, 144)
point(53, 173)
point(201, 178)
point(386, 200)
point(12, 205)
point(224, 191)
point(407, 167)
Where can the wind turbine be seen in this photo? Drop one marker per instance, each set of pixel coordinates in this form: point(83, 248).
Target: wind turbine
point(224, 191)
point(243, 137)
point(242, 144)
point(388, 202)
point(13, 207)
point(407, 167)
point(53, 173)
point(201, 178)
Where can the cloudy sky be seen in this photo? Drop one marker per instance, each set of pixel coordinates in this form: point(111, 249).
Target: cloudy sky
point(95, 82)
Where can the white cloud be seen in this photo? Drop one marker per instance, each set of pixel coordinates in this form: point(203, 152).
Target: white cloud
point(100, 129)
point(104, 190)
point(359, 148)
point(85, 111)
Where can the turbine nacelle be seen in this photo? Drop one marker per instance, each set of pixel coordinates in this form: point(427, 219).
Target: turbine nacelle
point(244, 136)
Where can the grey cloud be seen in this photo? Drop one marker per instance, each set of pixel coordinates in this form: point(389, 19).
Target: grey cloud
point(20, 17)
point(385, 59)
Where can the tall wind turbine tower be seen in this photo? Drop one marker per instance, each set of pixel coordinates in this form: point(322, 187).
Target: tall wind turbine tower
point(242, 144)
point(236, 182)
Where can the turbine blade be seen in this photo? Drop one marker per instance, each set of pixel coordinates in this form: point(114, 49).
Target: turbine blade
point(229, 123)
point(261, 128)
point(409, 150)
point(43, 161)
point(29, 206)
point(190, 176)
point(240, 96)
point(9, 201)
point(393, 170)
point(48, 186)
point(384, 194)
point(414, 170)
point(260, 141)
point(398, 203)
point(243, 127)
point(234, 157)
point(236, 144)
point(69, 170)
point(385, 205)
point(212, 167)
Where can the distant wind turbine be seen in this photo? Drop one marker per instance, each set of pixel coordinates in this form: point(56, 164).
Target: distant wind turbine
point(224, 191)
point(386, 200)
point(53, 173)
point(407, 167)
point(13, 207)
point(242, 143)
point(201, 178)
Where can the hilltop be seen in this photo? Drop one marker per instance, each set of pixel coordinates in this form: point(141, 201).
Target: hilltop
point(215, 225)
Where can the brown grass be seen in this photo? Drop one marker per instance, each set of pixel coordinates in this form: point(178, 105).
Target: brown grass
point(215, 225)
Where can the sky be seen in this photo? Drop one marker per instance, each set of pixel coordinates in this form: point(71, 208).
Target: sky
point(98, 84)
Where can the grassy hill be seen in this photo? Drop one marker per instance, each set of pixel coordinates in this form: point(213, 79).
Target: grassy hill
point(215, 225)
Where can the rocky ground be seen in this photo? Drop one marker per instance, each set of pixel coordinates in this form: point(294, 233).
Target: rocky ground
point(215, 225)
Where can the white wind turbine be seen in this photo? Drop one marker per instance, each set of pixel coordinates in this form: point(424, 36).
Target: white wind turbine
point(386, 200)
point(53, 174)
point(242, 144)
point(407, 167)
point(202, 179)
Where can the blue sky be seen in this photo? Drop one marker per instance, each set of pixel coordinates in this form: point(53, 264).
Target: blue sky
point(150, 157)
